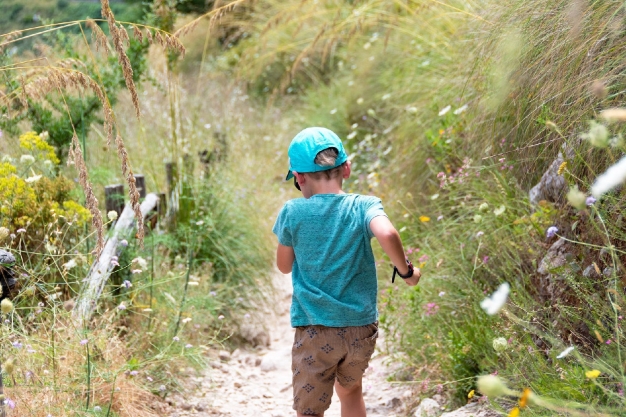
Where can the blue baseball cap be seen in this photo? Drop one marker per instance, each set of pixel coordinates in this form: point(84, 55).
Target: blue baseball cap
point(307, 144)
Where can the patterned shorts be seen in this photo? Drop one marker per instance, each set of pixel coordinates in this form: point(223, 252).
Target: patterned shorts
point(322, 354)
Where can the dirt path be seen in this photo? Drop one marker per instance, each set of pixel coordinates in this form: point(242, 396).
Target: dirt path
point(257, 382)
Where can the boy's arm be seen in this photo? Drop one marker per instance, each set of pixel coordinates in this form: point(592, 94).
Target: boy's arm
point(284, 258)
point(389, 240)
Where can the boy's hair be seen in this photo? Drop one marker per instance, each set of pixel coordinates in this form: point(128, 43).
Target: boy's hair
point(327, 158)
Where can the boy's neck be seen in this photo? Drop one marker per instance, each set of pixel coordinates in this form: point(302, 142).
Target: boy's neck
point(331, 186)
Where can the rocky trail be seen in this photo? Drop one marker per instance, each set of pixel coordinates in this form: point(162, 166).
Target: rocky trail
point(257, 382)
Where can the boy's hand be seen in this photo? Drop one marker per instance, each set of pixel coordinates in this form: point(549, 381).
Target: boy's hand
point(411, 282)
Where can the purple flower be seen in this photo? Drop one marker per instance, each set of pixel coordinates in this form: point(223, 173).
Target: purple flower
point(21, 230)
point(552, 231)
point(162, 388)
point(134, 373)
point(17, 345)
point(213, 293)
point(124, 242)
point(149, 378)
point(84, 342)
point(121, 307)
point(485, 259)
point(590, 200)
point(9, 403)
point(188, 346)
point(175, 338)
point(127, 283)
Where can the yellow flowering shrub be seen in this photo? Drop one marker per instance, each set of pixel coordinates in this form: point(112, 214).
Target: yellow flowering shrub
point(38, 146)
point(17, 198)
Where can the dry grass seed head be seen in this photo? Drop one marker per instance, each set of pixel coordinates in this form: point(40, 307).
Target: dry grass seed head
point(98, 36)
point(137, 33)
point(133, 193)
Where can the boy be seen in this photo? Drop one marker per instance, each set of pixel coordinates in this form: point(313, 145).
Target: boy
point(324, 241)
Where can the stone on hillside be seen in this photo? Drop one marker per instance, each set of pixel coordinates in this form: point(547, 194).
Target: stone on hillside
point(472, 410)
point(552, 186)
point(269, 363)
point(427, 408)
point(224, 355)
point(555, 258)
point(255, 335)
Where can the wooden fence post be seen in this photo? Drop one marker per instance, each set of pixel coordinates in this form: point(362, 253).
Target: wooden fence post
point(140, 182)
point(114, 198)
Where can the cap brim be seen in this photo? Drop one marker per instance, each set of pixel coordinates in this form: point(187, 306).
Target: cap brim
point(289, 175)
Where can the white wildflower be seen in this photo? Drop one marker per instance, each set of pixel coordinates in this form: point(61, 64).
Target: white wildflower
point(141, 262)
point(445, 110)
point(412, 109)
point(333, 111)
point(69, 264)
point(576, 197)
point(500, 344)
point(565, 352)
point(598, 135)
point(478, 218)
point(186, 320)
point(27, 159)
point(483, 207)
point(359, 100)
point(112, 215)
point(461, 109)
point(386, 96)
point(493, 304)
point(492, 386)
point(34, 178)
point(499, 210)
point(611, 178)
point(4, 232)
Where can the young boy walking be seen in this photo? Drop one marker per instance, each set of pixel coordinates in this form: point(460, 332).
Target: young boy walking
point(324, 241)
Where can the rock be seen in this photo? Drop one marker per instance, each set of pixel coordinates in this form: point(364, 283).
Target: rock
point(427, 408)
point(608, 271)
point(186, 406)
point(235, 353)
point(440, 399)
point(255, 335)
point(200, 407)
point(257, 361)
point(269, 363)
point(278, 414)
point(555, 258)
point(394, 403)
point(224, 355)
point(552, 186)
point(237, 384)
point(590, 272)
point(472, 410)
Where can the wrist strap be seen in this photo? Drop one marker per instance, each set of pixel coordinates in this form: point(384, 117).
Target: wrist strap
point(407, 275)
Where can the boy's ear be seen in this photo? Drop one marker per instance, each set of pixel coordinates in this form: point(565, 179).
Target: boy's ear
point(347, 170)
point(299, 177)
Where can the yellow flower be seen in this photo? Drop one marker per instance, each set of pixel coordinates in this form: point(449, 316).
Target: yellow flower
point(514, 412)
point(33, 142)
point(424, 219)
point(562, 168)
point(523, 401)
point(593, 374)
point(470, 395)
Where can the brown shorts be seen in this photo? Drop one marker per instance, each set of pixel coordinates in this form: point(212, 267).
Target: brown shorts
point(322, 354)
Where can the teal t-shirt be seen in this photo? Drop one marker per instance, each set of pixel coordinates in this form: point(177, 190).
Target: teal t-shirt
point(334, 271)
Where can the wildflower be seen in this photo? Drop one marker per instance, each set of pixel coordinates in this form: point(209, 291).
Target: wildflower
point(175, 338)
point(431, 309)
point(590, 201)
point(514, 412)
point(614, 115)
point(162, 388)
point(470, 395)
point(593, 374)
point(220, 317)
point(478, 218)
point(126, 284)
point(6, 306)
point(84, 342)
point(9, 403)
point(485, 259)
point(561, 168)
point(552, 231)
point(442, 293)
point(461, 109)
point(134, 373)
point(500, 344)
point(21, 230)
point(122, 306)
point(434, 196)
point(213, 293)
point(479, 234)
point(424, 219)
point(608, 342)
point(186, 320)
point(565, 352)
point(483, 207)
point(141, 262)
point(112, 215)
point(333, 111)
point(34, 178)
point(188, 346)
point(576, 197)
point(123, 242)
point(444, 110)
point(4, 232)
point(597, 135)
point(611, 178)
point(199, 222)
point(423, 258)
point(492, 386)
point(27, 159)
point(246, 316)
point(147, 310)
point(8, 366)
point(386, 96)
point(136, 271)
point(69, 264)
point(412, 109)
point(149, 378)
point(359, 100)
point(439, 218)
point(527, 396)
point(493, 304)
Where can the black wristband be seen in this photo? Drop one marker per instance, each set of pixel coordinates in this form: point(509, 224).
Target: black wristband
point(405, 276)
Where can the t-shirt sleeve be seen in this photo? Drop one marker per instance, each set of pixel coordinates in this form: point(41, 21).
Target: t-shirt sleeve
point(373, 208)
point(281, 228)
